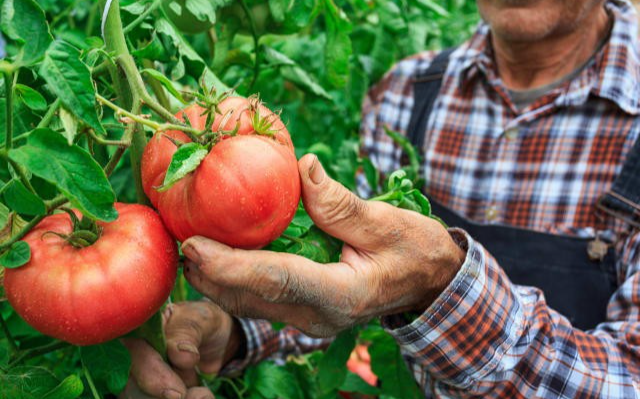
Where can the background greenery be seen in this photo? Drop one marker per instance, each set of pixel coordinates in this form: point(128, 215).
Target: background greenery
point(313, 59)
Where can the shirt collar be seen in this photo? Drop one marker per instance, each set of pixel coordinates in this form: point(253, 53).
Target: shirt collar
point(615, 74)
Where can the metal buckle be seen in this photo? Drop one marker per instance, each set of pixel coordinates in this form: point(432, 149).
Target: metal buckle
point(628, 218)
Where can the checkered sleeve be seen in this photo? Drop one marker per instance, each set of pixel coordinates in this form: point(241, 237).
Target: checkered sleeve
point(265, 342)
point(486, 337)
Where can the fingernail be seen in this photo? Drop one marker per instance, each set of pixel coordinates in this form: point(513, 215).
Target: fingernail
point(171, 394)
point(316, 171)
point(187, 347)
point(190, 251)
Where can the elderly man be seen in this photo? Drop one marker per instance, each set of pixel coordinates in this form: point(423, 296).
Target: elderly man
point(534, 293)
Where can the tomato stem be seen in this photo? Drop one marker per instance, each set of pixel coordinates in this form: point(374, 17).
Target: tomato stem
point(142, 16)
point(92, 386)
point(38, 351)
point(256, 43)
point(5, 329)
point(8, 89)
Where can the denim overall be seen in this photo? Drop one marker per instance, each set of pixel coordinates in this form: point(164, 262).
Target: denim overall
point(577, 275)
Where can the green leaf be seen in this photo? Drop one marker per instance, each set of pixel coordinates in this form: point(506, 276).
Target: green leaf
point(70, 388)
point(108, 363)
point(273, 382)
point(433, 6)
point(70, 80)
point(4, 345)
point(338, 45)
point(165, 82)
point(24, 21)
point(70, 125)
point(31, 98)
point(26, 383)
point(408, 148)
point(279, 9)
point(332, 368)
point(70, 168)
point(23, 201)
point(354, 383)
point(387, 363)
point(184, 161)
point(294, 73)
point(4, 215)
point(17, 255)
point(317, 246)
point(203, 10)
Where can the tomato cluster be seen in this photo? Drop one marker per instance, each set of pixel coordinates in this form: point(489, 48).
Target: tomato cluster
point(245, 191)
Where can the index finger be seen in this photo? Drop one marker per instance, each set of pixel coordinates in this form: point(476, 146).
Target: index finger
point(272, 276)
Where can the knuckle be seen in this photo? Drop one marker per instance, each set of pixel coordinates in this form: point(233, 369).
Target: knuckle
point(345, 207)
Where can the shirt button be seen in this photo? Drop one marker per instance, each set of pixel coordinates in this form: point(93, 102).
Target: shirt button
point(511, 133)
point(491, 214)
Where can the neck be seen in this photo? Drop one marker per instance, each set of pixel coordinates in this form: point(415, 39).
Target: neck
point(524, 66)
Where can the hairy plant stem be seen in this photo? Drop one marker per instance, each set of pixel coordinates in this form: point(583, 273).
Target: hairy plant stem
point(191, 132)
point(46, 119)
point(38, 351)
point(8, 89)
point(156, 87)
point(142, 16)
point(22, 175)
point(5, 329)
point(118, 143)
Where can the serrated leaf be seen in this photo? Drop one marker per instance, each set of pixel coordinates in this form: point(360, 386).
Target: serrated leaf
point(294, 73)
point(332, 368)
point(70, 80)
point(26, 383)
point(23, 201)
point(30, 97)
point(317, 246)
point(387, 363)
point(70, 388)
point(184, 161)
point(108, 363)
point(71, 169)
point(70, 125)
point(16, 255)
point(354, 383)
point(338, 44)
point(24, 21)
point(165, 82)
point(273, 382)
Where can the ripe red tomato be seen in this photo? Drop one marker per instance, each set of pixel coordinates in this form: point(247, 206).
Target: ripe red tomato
point(246, 190)
point(94, 294)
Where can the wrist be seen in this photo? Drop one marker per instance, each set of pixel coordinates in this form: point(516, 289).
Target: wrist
point(445, 268)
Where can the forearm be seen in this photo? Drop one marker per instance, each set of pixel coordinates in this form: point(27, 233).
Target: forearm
point(485, 336)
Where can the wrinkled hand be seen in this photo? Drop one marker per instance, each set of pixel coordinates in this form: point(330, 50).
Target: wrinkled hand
point(393, 261)
point(200, 337)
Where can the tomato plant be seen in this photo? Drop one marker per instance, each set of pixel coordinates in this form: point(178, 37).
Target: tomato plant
point(87, 84)
point(241, 186)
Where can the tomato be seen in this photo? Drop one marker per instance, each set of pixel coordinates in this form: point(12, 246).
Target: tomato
point(94, 294)
point(360, 363)
point(185, 21)
point(245, 191)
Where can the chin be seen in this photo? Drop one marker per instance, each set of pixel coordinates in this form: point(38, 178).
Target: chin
point(521, 25)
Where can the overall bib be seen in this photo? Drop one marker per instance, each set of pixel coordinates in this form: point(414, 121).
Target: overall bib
point(577, 275)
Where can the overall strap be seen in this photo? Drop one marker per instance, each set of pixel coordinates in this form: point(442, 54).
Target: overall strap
point(623, 200)
point(425, 90)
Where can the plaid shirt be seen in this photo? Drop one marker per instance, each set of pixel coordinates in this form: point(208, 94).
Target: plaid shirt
point(541, 168)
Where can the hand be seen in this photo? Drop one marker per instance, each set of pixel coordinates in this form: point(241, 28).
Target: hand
point(200, 337)
point(393, 261)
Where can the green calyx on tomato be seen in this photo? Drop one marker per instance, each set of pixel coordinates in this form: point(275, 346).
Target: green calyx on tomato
point(236, 182)
point(85, 231)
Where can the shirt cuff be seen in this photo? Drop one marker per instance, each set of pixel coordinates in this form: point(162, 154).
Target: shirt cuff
point(254, 331)
point(466, 331)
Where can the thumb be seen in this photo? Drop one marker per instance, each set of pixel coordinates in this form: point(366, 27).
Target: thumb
point(333, 208)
